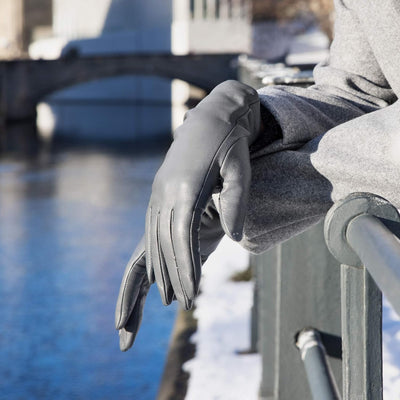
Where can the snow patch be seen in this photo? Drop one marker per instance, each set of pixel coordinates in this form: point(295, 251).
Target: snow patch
point(223, 313)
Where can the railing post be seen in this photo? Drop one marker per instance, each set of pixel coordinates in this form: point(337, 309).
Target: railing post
point(361, 298)
point(361, 335)
point(298, 285)
point(267, 276)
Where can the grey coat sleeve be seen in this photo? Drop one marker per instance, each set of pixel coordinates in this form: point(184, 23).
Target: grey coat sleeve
point(339, 136)
point(349, 84)
point(293, 189)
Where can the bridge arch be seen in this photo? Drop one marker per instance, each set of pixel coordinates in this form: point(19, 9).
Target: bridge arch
point(26, 82)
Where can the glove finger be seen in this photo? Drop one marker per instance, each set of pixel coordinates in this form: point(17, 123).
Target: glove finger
point(127, 334)
point(185, 238)
point(232, 200)
point(168, 250)
point(126, 339)
point(159, 265)
point(133, 280)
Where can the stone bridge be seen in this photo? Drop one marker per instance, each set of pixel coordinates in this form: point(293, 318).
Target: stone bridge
point(23, 83)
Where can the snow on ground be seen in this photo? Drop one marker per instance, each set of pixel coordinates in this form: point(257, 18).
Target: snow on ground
point(217, 372)
point(391, 352)
point(223, 313)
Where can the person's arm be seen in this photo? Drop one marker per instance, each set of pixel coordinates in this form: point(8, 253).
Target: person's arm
point(293, 189)
point(329, 148)
point(349, 84)
point(291, 186)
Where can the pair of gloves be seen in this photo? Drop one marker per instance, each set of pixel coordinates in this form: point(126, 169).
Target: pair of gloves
point(199, 194)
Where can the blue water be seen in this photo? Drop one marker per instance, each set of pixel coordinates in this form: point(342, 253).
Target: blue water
point(69, 220)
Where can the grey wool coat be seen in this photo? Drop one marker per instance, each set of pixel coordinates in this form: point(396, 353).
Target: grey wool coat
point(339, 136)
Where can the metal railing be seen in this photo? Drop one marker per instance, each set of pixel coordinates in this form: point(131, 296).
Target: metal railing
point(297, 288)
point(360, 231)
point(331, 309)
point(321, 291)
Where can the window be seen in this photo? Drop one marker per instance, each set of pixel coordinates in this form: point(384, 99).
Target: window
point(192, 8)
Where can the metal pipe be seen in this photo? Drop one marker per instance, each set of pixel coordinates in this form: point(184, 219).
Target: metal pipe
point(379, 251)
point(322, 383)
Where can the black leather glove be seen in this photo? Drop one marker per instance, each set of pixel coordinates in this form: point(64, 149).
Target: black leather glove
point(210, 153)
point(135, 285)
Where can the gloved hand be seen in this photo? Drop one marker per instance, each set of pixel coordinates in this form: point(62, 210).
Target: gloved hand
point(209, 154)
point(209, 157)
point(135, 285)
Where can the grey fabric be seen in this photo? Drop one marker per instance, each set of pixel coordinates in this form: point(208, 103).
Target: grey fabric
point(339, 136)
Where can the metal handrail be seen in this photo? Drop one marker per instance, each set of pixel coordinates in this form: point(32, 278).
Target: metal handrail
point(320, 377)
point(360, 233)
point(379, 251)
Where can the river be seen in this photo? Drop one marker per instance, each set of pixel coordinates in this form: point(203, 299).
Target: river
point(70, 216)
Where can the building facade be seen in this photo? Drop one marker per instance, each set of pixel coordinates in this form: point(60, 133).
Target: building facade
point(119, 108)
point(134, 107)
point(21, 22)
